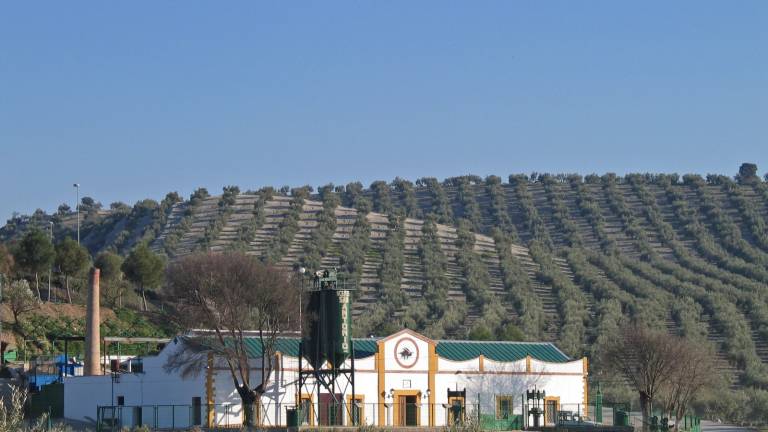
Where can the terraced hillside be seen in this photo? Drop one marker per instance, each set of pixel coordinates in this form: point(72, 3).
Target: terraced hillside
point(558, 257)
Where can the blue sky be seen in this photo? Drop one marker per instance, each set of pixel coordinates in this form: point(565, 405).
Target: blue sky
point(135, 99)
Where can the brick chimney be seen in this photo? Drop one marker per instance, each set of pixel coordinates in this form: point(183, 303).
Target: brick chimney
point(92, 333)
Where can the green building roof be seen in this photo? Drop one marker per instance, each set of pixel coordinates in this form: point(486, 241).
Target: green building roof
point(447, 349)
point(500, 351)
point(290, 347)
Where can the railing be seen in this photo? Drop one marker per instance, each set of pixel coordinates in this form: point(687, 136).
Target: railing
point(172, 417)
point(490, 416)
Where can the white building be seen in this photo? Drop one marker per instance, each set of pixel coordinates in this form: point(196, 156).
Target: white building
point(405, 379)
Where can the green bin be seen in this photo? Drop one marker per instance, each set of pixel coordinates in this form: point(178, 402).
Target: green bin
point(292, 417)
point(621, 418)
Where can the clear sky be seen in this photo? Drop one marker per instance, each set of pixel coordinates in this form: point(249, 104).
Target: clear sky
point(135, 99)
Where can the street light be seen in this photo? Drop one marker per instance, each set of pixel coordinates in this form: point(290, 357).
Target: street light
point(77, 206)
point(302, 271)
point(49, 269)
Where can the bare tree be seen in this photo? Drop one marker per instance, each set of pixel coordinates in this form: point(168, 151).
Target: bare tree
point(694, 370)
point(231, 294)
point(646, 359)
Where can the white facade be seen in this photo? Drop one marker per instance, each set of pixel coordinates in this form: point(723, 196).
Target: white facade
point(404, 382)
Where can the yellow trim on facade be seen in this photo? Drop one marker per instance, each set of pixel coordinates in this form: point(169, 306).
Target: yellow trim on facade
point(431, 383)
point(396, 403)
point(481, 363)
point(528, 363)
point(380, 365)
point(361, 402)
point(210, 392)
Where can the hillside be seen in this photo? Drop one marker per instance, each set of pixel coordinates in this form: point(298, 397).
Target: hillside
point(559, 257)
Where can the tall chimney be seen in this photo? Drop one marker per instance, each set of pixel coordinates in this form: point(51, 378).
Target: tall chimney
point(92, 334)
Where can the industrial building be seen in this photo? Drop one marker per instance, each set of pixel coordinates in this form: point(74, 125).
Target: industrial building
point(405, 379)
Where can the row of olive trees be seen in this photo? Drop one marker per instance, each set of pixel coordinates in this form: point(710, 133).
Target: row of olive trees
point(177, 231)
point(321, 240)
point(533, 221)
point(698, 290)
point(224, 209)
point(246, 232)
point(280, 243)
point(383, 317)
point(438, 316)
point(723, 226)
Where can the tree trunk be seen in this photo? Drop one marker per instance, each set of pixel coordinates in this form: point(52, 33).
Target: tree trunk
point(37, 287)
point(49, 291)
point(69, 294)
point(143, 299)
point(249, 398)
point(646, 407)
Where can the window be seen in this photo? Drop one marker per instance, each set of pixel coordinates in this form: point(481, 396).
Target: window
point(503, 407)
point(120, 400)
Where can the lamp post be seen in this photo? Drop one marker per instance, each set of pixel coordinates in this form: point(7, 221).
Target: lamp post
point(49, 269)
point(302, 271)
point(77, 206)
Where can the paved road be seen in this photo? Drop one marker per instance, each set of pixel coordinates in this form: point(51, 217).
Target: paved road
point(709, 426)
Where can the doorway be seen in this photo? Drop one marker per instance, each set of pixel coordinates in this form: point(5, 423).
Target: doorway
point(197, 411)
point(331, 409)
point(406, 408)
point(456, 410)
point(551, 407)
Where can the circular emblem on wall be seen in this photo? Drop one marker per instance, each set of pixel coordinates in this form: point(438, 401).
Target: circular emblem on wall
point(406, 352)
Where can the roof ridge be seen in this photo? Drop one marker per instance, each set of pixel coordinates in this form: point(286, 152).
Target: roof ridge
point(497, 342)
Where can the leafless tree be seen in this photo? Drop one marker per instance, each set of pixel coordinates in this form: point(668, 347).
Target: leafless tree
point(231, 294)
point(694, 370)
point(646, 359)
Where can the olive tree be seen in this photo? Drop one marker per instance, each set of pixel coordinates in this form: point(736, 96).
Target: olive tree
point(110, 265)
point(35, 254)
point(231, 294)
point(145, 269)
point(20, 299)
point(71, 259)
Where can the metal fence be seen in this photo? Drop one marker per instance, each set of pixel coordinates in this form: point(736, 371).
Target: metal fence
point(494, 415)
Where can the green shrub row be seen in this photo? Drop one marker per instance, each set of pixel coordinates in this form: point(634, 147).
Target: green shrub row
point(175, 234)
point(280, 243)
point(497, 207)
point(533, 221)
point(519, 288)
point(223, 212)
point(440, 206)
point(572, 303)
point(560, 214)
